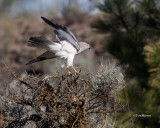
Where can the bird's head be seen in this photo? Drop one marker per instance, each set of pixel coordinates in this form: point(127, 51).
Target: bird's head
point(83, 46)
point(87, 45)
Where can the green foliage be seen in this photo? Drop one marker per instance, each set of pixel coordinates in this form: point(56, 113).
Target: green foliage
point(128, 48)
point(130, 26)
point(126, 39)
point(152, 52)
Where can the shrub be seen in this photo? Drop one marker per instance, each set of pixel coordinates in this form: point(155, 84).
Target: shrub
point(65, 100)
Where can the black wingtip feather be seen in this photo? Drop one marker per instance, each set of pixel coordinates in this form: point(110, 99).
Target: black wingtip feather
point(30, 62)
point(49, 22)
point(35, 60)
point(45, 56)
point(27, 63)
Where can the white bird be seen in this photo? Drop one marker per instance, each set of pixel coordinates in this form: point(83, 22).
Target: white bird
point(65, 48)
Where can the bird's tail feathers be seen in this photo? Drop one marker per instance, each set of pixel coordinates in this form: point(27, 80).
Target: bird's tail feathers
point(39, 41)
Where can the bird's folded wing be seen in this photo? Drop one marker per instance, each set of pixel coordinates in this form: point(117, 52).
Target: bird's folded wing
point(45, 56)
point(63, 33)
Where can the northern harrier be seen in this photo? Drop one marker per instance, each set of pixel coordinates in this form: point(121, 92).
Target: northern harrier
point(66, 46)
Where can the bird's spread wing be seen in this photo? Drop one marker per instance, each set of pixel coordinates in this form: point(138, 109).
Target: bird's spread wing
point(63, 33)
point(45, 56)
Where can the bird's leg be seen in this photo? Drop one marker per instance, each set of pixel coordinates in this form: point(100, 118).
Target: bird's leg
point(69, 73)
point(76, 72)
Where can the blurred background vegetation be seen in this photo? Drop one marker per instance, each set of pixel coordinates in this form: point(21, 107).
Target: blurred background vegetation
point(127, 30)
point(133, 29)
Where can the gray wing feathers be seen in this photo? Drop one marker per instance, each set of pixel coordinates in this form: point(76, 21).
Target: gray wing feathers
point(63, 33)
point(45, 56)
point(64, 36)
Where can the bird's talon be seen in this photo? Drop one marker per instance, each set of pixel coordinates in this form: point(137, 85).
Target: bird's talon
point(76, 72)
point(69, 73)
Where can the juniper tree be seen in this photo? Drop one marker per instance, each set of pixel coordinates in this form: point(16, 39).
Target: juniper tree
point(130, 26)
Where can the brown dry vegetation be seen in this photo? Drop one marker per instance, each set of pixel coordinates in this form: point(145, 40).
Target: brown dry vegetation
point(62, 100)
